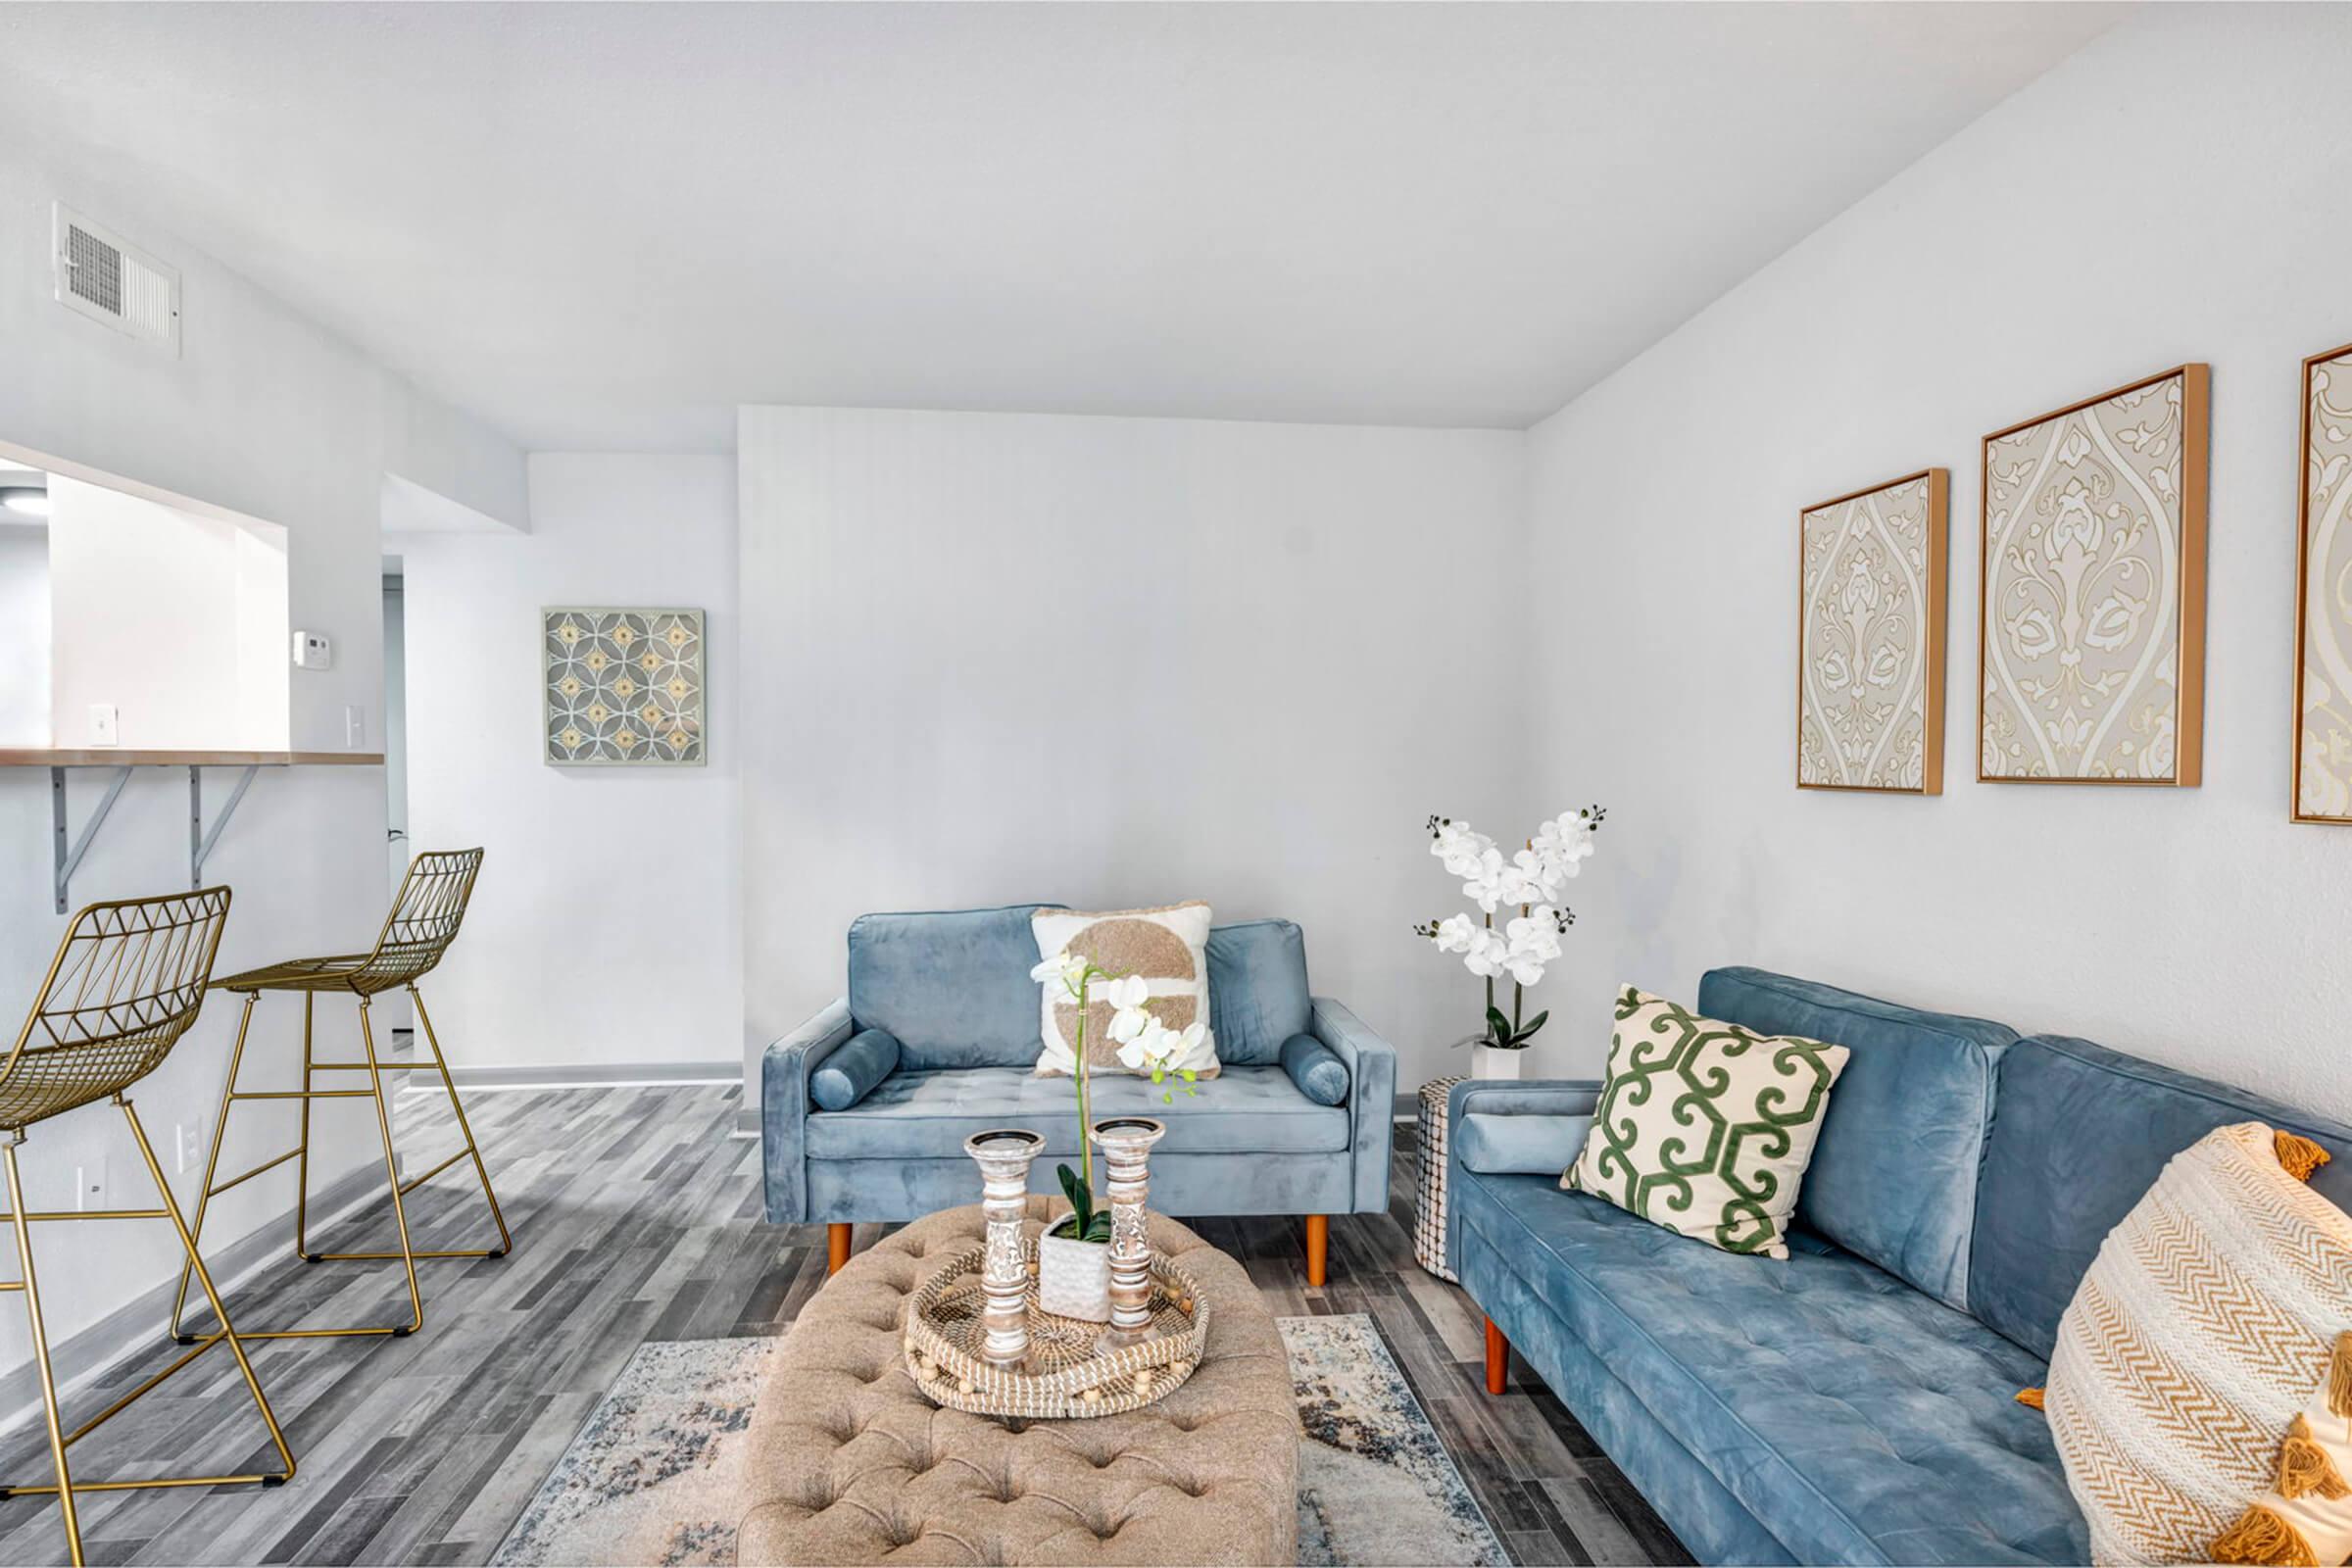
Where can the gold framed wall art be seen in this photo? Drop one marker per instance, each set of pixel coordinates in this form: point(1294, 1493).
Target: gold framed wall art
point(2090, 628)
point(1870, 638)
point(2322, 787)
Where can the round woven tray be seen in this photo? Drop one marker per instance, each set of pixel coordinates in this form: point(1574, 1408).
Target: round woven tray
point(1064, 1377)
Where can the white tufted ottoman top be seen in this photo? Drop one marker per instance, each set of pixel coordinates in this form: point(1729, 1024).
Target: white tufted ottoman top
point(850, 1464)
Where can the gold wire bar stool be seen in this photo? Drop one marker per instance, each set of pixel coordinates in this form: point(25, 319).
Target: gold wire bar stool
point(127, 981)
point(423, 921)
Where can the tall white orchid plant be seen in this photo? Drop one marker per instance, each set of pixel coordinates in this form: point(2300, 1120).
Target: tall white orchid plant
point(1145, 1044)
point(1534, 879)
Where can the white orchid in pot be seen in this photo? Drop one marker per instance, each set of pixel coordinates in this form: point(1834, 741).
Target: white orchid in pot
point(1073, 1257)
point(1533, 880)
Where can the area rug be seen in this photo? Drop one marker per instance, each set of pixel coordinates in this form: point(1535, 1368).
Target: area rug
point(1376, 1484)
point(654, 1473)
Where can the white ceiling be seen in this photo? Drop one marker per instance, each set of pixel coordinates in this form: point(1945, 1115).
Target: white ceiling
point(605, 225)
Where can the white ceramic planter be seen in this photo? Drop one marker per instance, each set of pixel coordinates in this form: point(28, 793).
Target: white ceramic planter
point(1487, 1063)
point(1074, 1278)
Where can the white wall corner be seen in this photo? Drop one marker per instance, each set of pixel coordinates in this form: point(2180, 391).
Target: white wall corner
point(459, 461)
point(411, 508)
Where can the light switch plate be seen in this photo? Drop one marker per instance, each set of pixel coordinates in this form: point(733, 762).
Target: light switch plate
point(189, 1146)
point(354, 727)
point(104, 731)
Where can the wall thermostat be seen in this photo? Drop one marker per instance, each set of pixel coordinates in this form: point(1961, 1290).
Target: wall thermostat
point(312, 651)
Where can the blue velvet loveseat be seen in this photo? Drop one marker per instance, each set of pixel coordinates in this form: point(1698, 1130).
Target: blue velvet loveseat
point(1855, 1404)
point(938, 1039)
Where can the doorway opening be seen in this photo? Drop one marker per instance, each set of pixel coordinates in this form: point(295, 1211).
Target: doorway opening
point(395, 1003)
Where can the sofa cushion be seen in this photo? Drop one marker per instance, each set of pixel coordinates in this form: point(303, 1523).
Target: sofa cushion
point(1256, 989)
point(2082, 1135)
point(1856, 1419)
point(1316, 1068)
point(1894, 1177)
point(863, 1060)
point(918, 1116)
point(1704, 1127)
point(1708, 1522)
point(952, 986)
point(2203, 1338)
point(1161, 950)
point(1520, 1146)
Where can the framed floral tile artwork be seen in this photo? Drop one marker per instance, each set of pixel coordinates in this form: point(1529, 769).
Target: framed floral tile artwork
point(2092, 620)
point(624, 688)
point(1870, 638)
point(2323, 776)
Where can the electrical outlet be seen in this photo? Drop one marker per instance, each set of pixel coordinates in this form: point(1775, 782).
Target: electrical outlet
point(89, 1185)
point(354, 727)
point(104, 731)
point(190, 1145)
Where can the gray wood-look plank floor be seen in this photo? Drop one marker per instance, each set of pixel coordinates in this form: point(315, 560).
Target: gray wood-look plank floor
point(637, 1217)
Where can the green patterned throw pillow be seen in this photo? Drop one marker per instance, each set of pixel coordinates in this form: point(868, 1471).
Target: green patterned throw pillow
point(1704, 1127)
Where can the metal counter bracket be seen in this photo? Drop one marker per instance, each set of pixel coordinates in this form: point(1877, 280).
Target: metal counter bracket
point(69, 847)
point(200, 842)
point(68, 857)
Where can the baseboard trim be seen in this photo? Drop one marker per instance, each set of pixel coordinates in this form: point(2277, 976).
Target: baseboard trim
point(599, 1075)
point(145, 1321)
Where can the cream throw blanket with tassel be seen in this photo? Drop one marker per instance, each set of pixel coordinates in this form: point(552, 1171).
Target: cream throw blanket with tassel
point(2201, 1390)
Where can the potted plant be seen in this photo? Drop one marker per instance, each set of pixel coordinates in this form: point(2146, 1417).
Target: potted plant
point(1533, 880)
point(1073, 1257)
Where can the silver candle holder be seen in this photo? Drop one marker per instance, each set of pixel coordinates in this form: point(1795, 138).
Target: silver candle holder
point(1126, 1144)
point(1004, 1154)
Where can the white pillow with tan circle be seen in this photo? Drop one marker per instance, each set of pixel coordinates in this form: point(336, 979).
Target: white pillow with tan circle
point(1167, 946)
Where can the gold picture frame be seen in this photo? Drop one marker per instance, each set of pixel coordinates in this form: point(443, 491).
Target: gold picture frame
point(2319, 444)
point(2090, 589)
point(1880, 640)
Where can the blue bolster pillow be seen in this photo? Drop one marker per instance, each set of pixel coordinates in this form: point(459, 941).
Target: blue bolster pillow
point(852, 1068)
point(1316, 1068)
point(1520, 1146)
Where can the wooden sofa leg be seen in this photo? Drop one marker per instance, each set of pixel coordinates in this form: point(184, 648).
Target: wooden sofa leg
point(837, 1247)
point(1499, 1358)
point(1318, 1247)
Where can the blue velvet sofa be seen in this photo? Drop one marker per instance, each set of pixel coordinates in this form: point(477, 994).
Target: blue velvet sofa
point(1855, 1404)
point(865, 1108)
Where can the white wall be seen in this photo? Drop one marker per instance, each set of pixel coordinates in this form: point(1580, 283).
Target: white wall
point(605, 932)
point(1117, 661)
point(266, 414)
point(177, 621)
point(2168, 194)
point(24, 635)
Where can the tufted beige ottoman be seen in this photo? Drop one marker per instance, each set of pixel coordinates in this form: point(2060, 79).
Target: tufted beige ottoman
point(849, 1464)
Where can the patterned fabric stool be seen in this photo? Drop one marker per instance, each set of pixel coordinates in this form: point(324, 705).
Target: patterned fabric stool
point(1429, 1200)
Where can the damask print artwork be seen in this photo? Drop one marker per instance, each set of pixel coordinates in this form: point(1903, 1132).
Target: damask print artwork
point(2323, 782)
point(1870, 639)
point(2092, 621)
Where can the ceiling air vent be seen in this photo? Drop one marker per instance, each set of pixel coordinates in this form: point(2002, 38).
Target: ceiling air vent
point(102, 277)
